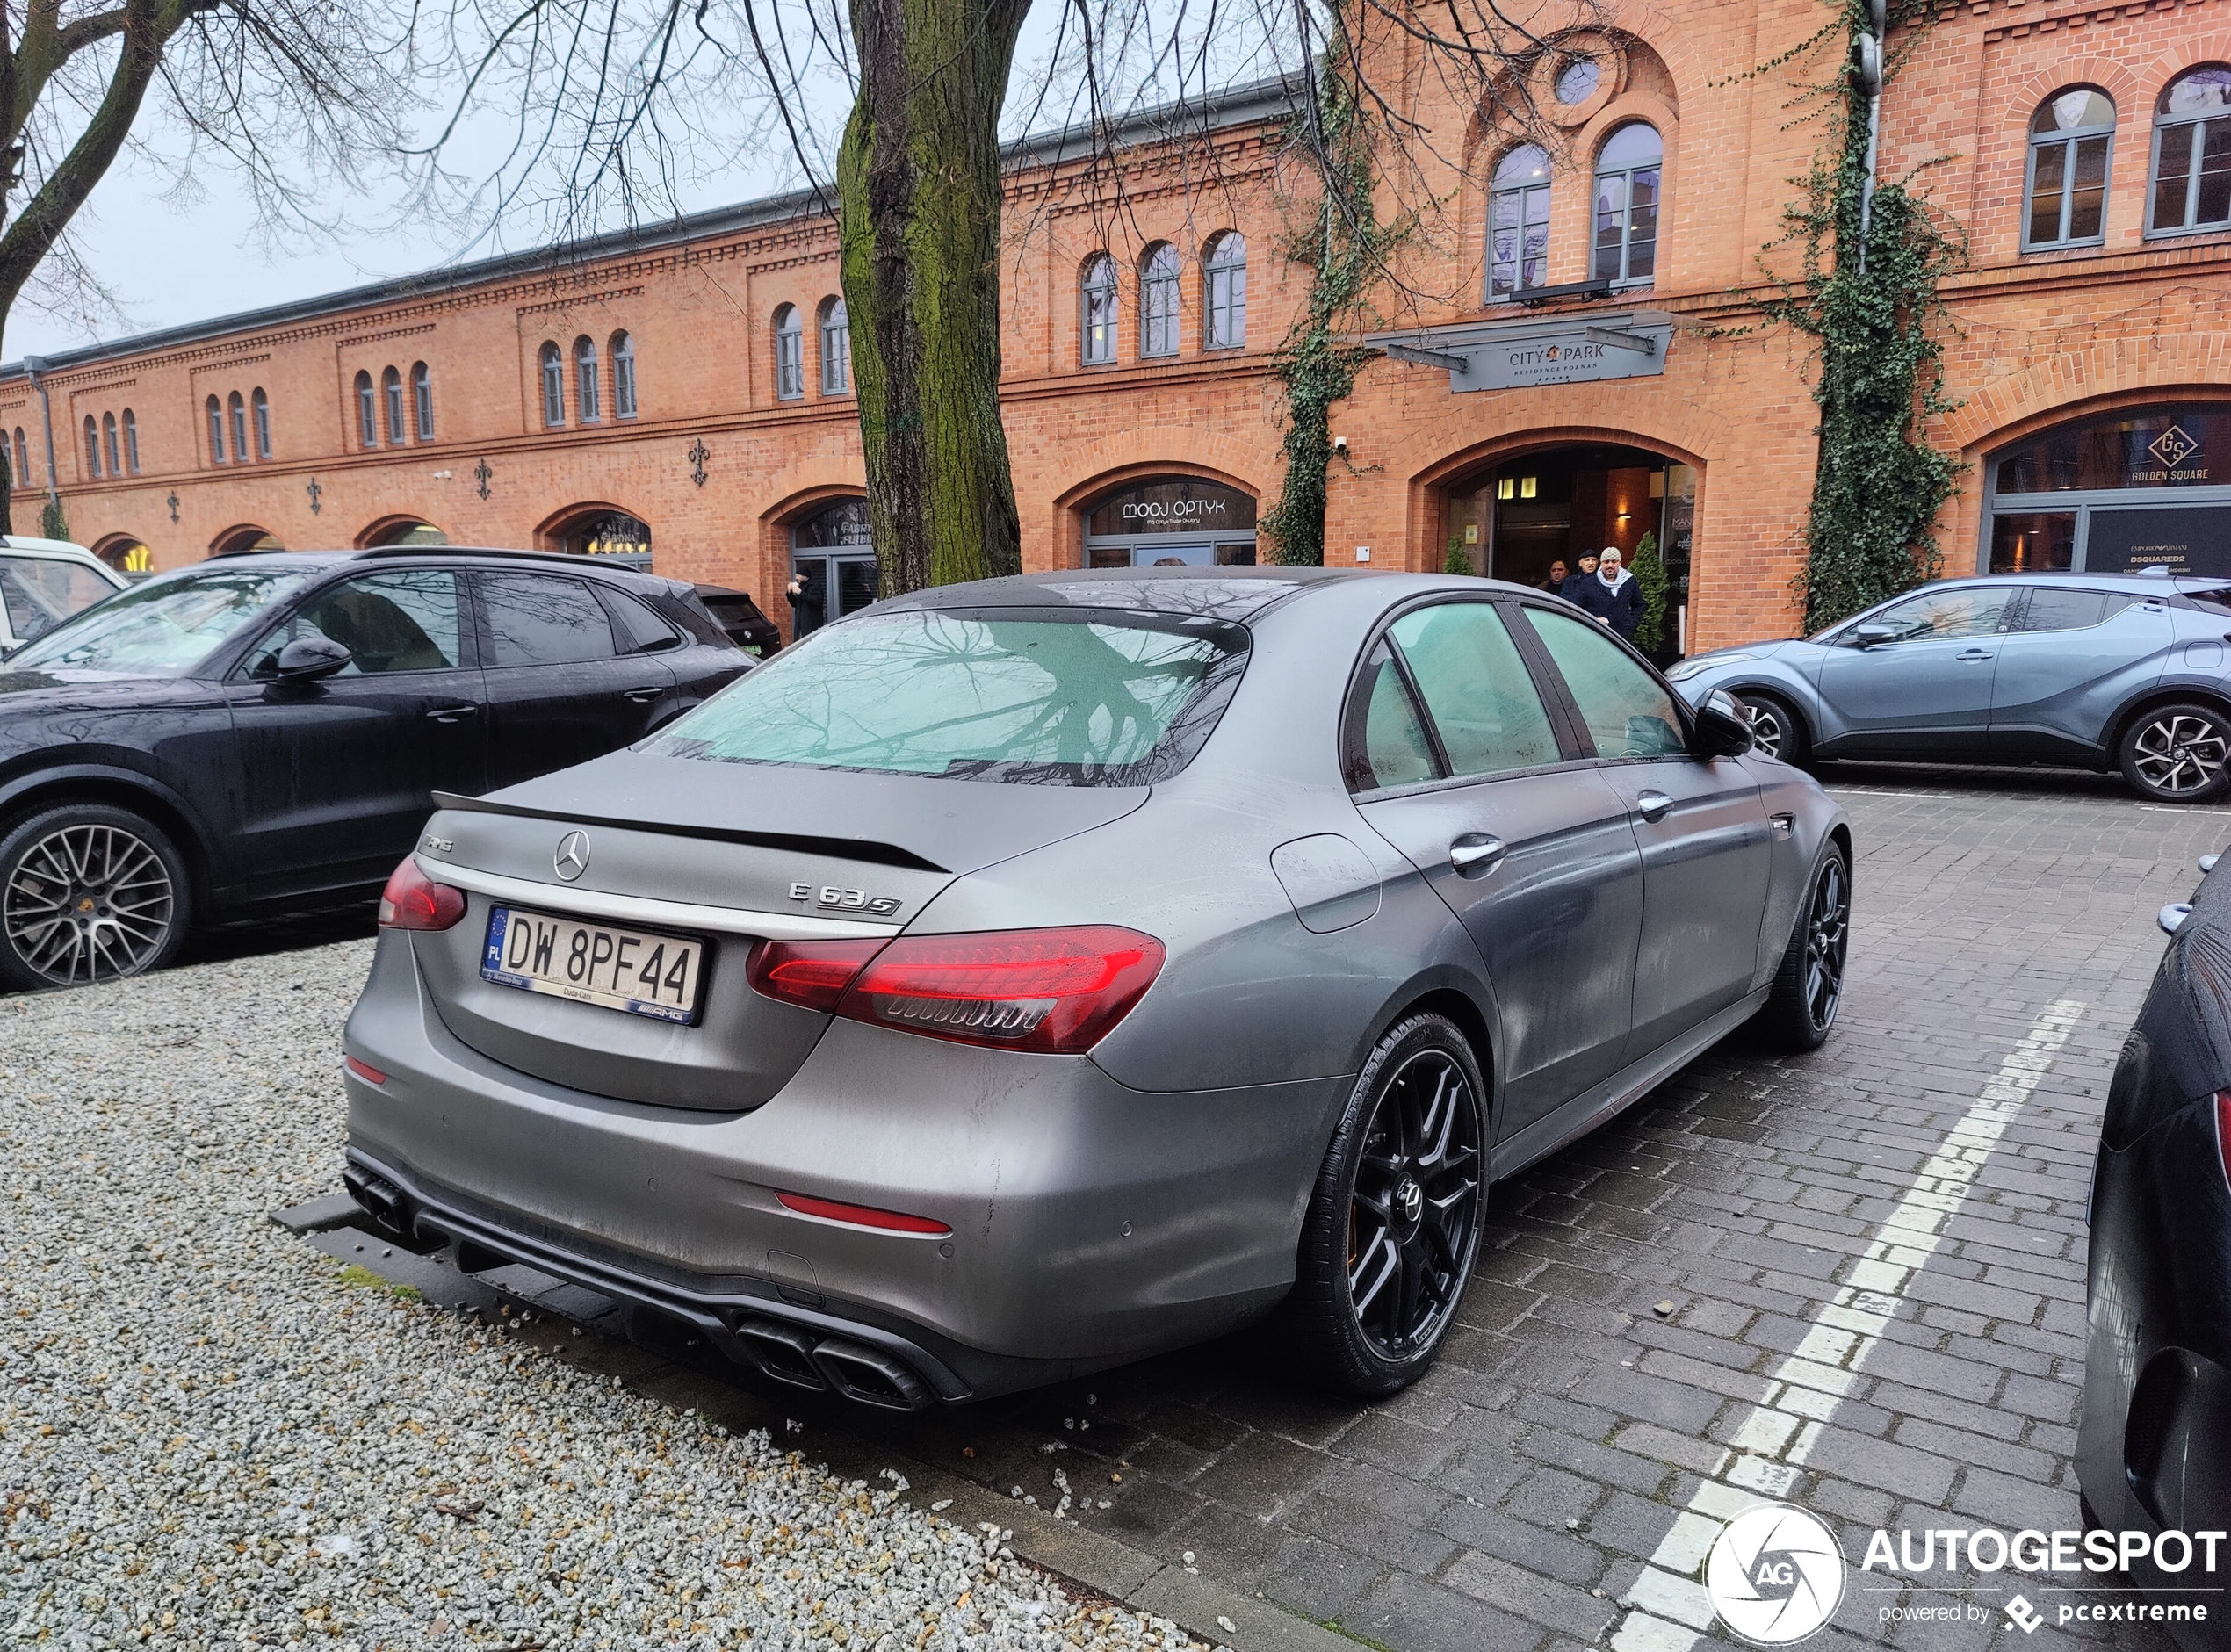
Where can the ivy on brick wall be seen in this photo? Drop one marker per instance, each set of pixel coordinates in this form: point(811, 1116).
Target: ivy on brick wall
point(1870, 530)
point(1344, 247)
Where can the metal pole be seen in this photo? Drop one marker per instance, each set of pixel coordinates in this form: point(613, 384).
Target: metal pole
point(33, 365)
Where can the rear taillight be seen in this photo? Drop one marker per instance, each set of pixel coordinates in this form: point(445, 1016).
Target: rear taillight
point(861, 1215)
point(1052, 991)
point(2223, 1130)
point(811, 974)
point(364, 1070)
point(412, 900)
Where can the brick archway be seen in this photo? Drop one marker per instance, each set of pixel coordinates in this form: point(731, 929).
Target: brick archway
point(392, 529)
point(243, 537)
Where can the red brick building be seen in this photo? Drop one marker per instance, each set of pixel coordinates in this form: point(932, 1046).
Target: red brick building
point(1576, 358)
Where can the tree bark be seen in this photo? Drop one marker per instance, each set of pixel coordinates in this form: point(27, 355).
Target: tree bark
point(919, 193)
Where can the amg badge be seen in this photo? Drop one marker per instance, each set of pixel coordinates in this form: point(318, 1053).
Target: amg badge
point(848, 900)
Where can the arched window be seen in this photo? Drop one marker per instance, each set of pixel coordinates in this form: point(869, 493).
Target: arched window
point(216, 412)
point(553, 387)
point(622, 376)
point(391, 392)
point(22, 458)
point(260, 405)
point(109, 446)
point(1224, 276)
point(587, 389)
point(789, 354)
point(2069, 137)
point(238, 410)
point(92, 447)
point(1157, 300)
point(836, 348)
point(131, 441)
point(367, 412)
point(2192, 153)
point(1518, 217)
point(1098, 294)
point(421, 395)
point(1628, 169)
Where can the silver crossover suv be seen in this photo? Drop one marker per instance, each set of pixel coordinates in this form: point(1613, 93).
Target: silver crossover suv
point(1020, 978)
point(2085, 670)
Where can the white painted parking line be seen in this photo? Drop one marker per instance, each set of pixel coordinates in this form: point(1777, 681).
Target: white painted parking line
point(1668, 1605)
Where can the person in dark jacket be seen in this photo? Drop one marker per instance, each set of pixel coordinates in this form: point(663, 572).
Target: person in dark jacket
point(1571, 589)
point(1558, 574)
point(1610, 594)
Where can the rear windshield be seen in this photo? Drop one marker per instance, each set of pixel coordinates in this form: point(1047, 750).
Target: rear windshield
point(1030, 696)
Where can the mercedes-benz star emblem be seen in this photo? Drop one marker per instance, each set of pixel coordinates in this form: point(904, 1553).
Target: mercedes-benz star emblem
point(1413, 1200)
point(572, 859)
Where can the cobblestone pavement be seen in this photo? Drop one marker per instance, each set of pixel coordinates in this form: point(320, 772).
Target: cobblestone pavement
point(1853, 1280)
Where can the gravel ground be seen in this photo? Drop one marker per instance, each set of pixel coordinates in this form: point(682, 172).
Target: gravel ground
point(211, 1434)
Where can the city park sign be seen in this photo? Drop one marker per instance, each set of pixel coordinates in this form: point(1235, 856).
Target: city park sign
point(1565, 349)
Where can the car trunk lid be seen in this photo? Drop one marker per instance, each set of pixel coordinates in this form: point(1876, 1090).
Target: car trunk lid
point(723, 854)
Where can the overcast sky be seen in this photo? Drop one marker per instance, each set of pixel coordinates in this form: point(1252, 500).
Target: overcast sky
point(168, 265)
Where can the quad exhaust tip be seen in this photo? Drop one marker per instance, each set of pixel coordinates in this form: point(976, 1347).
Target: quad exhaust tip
point(799, 1358)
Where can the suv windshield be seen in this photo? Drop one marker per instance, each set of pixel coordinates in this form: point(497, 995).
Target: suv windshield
point(161, 629)
point(1064, 697)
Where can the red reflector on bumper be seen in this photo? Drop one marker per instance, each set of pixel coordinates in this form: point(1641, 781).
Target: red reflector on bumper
point(369, 1074)
point(860, 1215)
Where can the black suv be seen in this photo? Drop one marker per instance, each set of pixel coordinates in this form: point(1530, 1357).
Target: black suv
point(264, 732)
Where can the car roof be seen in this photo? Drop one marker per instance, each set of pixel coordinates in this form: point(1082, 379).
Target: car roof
point(62, 550)
point(2137, 584)
point(483, 555)
point(1221, 593)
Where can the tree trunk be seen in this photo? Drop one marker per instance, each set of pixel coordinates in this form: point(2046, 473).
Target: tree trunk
point(919, 204)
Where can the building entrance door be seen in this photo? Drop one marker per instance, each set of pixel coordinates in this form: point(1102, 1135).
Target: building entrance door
point(1519, 519)
point(1171, 520)
point(833, 566)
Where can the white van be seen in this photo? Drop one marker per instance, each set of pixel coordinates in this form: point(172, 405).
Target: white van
point(44, 582)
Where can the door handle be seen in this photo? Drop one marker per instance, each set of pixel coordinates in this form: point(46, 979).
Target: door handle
point(641, 696)
point(1476, 853)
point(1972, 654)
point(1653, 805)
point(453, 713)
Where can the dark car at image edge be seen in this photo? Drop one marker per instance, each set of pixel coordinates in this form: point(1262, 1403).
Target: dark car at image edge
point(265, 734)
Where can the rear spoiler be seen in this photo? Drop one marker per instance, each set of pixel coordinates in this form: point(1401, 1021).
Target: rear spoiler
point(837, 848)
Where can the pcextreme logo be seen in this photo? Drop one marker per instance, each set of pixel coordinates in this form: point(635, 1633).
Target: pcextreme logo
point(1775, 1574)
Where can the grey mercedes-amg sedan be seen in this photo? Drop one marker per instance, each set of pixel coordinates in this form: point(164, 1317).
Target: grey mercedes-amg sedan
point(1020, 978)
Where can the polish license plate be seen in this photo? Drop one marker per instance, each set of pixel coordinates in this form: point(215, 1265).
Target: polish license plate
point(633, 971)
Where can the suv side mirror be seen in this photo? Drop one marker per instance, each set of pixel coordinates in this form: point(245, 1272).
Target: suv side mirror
point(1873, 636)
point(1721, 728)
point(306, 658)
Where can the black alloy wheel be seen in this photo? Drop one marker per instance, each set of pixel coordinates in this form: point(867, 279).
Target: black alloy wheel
point(88, 893)
point(1774, 726)
point(1394, 1227)
point(1808, 987)
point(2178, 754)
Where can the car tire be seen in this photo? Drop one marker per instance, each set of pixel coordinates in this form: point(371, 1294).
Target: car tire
point(2178, 754)
point(1776, 726)
point(89, 892)
point(1801, 1007)
point(1393, 1226)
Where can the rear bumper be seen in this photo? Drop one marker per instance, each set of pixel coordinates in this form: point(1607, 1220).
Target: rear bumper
point(1090, 1223)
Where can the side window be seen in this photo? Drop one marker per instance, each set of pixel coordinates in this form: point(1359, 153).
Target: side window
point(1483, 702)
point(640, 630)
point(1625, 712)
point(543, 619)
point(404, 620)
point(1387, 742)
point(2055, 608)
point(1970, 610)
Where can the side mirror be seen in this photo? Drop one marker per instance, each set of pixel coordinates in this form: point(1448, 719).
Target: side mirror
point(1721, 728)
point(306, 658)
point(1873, 636)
